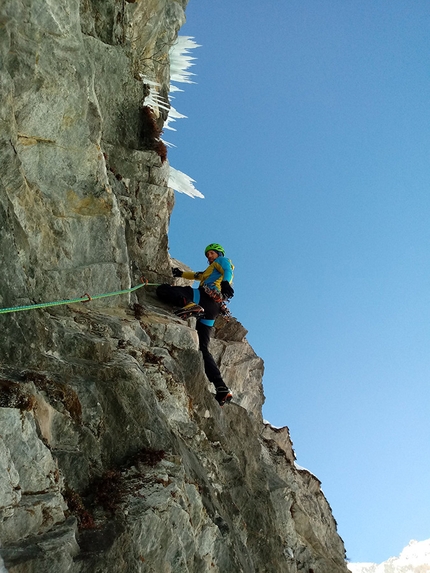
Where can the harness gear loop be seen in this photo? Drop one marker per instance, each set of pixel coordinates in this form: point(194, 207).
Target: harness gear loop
point(217, 297)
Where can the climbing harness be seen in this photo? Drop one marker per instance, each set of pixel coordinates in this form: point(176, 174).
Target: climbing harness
point(217, 297)
point(85, 298)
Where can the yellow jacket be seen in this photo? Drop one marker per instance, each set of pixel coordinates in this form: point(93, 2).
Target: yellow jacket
point(220, 270)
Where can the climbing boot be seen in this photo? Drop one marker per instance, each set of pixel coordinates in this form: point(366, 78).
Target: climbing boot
point(190, 310)
point(223, 396)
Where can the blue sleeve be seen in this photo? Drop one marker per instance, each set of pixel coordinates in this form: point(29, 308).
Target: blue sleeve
point(225, 264)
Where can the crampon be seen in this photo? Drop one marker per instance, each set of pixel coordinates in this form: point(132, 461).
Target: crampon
point(189, 311)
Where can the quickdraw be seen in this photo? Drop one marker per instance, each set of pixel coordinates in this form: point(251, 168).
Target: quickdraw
point(217, 297)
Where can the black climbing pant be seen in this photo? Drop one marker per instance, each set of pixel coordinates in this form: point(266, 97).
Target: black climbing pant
point(182, 295)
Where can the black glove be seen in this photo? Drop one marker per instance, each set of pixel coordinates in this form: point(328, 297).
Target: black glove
point(226, 290)
point(176, 272)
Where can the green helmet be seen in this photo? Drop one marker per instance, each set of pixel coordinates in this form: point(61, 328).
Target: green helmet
point(215, 247)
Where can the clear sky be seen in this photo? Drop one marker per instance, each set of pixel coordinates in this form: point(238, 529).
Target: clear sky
point(308, 133)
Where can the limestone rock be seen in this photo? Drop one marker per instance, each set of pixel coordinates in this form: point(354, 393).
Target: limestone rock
point(31, 501)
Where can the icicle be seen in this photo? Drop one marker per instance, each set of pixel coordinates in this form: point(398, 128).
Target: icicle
point(182, 183)
point(173, 116)
point(180, 61)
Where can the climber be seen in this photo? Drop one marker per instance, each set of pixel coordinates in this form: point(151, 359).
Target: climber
point(205, 303)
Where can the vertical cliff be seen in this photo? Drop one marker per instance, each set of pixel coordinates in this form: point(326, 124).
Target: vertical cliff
point(114, 455)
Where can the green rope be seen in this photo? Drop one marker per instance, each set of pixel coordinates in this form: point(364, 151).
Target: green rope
point(85, 298)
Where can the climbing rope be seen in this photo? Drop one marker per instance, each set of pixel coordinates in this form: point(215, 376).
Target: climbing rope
point(85, 298)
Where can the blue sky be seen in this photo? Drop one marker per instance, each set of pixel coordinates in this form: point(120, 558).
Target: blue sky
point(308, 134)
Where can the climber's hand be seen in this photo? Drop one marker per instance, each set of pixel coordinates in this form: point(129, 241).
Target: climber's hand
point(176, 272)
point(227, 290)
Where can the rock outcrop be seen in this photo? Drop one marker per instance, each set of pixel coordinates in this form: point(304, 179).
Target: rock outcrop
point(114, 455)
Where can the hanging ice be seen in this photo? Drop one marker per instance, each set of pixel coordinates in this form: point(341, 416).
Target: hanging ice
point(180, 62)
point(183, 183)
point(153, 100)
point(173, 115)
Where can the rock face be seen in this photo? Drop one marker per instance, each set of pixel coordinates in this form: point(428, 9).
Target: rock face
point(114, 456)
